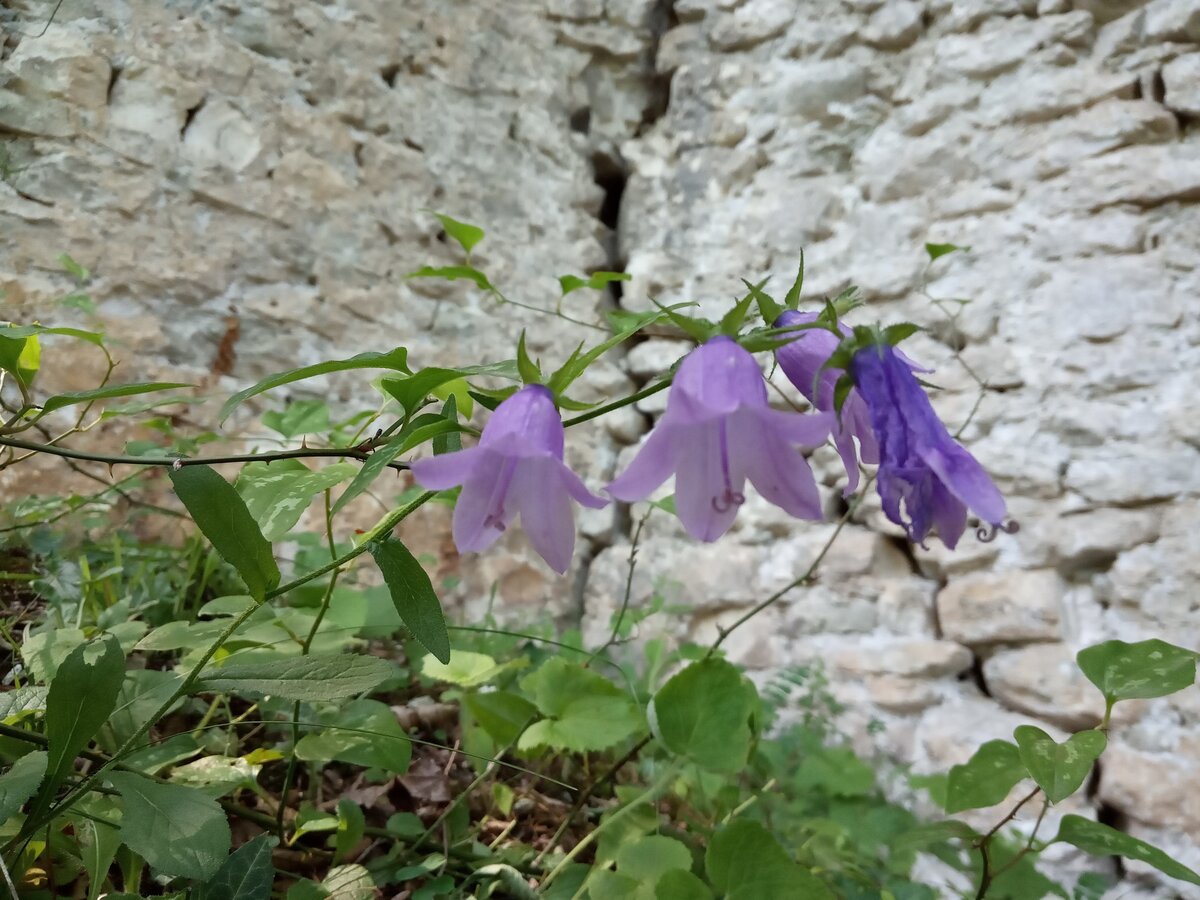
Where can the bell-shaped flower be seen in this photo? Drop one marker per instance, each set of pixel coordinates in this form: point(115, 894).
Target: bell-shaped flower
point(717, 432)
point(925, 477)
point(801, 360)
point(517, 467)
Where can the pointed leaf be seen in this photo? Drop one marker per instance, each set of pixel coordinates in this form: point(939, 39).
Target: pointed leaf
point(453, 273)
point(223, 518)
point(792, 299)
point(986, 778)
point(597, 281)
point(396, 359)
point(1058, 769)
point(178, 830)
point(449, 441)
point(937, 250)
point(466, 235)
point(278, 493)
point(1138, 671)
point(1101, 840)
point(334, 676)
point(530, 373)
point(413, 595)
point(81, 698)
point(21, 782)
point(58, 401)
point(745, 862)
point(768, 307)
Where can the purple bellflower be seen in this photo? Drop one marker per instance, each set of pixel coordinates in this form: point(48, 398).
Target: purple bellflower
point(800, 361)
point(517, 467)
point(921, 466)
point(718, 431)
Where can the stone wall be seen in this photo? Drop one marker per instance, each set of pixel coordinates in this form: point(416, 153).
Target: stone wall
point(246, 180)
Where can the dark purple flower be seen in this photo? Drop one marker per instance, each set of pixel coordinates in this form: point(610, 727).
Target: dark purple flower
point(718, 431)
point(924, 473)
point(517, 467)
point(800, 361)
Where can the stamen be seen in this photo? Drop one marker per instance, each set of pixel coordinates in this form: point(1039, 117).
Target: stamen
point(728, 500)
point(988, 533)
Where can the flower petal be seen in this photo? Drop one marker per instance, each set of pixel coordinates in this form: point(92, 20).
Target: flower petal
point(949, 515)
point(578, 490)
point(703, 499)
point(965, 478)
point(476, 525)
point(652, 465)
point(713, 381)
point(437, 473)
point(805, 429)
point(845, 449)
point(775, 468)
point(525, 424)
point(546, 515)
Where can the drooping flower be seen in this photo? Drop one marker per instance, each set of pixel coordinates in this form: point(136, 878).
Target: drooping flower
point(800, 361)
point(925, 477)
point(719, 431)
point(517, 467)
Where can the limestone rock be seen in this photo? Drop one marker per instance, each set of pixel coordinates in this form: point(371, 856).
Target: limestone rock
point(894, 25)
point(1044, 681)
point(999, 607)
point(908, 658)
point(1157, 789)
point(1181, 79)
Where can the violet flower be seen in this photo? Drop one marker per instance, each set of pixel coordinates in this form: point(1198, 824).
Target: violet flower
point(922, 467)
point(718, 431)
point(517, 467)
point(800, 361)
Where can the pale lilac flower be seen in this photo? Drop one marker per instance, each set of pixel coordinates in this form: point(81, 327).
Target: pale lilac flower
point(517, 467)
point(924, 473)
point(718, 431)
point(800, 361)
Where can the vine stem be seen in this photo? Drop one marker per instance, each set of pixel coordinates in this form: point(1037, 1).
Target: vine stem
point(983, 844)
point(647, 796)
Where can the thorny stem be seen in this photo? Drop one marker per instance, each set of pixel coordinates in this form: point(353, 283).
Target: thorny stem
point(632, 564)
point(1028, 844)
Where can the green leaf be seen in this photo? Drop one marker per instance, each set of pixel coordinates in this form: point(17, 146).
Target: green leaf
point(585, 711)
point(413, 595)
point(453, 273)
point(936, 250)
point(58, 401)
point(363, 733)
point(466, 235)
point(352, 824)
point(502, 714)
point(680, 885)
point(1138, 671)
point(768, 307)
point(530, 372)
point(396, 360)
point(21, 782)
point(792, 299)
point(30, 698)
point(703, 713)
point(451, 440)
point(986, 778)
point(1100, 840)
point(894, 334)
point(299, 417)
point(411, 391)
point(351, 882)
point(176, 829)
point(699, 330)
point(81, 698)
point(45, 652)
point(20, 356)
point(464, 668)
point(731, 322)
point(597, 281)
point(76, 270)
point(578, 363)
point(380, 459)
point(278, 493)
point(98, 843)
point(317, 677)
point(1059, 769)
point(746, 862)
point(647, 859)
point(841, 390)
point(23, 331)
point(247, 874)
point(223, 518)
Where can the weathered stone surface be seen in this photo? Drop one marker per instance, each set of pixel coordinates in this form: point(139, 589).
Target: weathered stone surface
point(910, 658)
point(1181, 82)
point(1157, 789)
point(1001, 607)
point(1043, 680)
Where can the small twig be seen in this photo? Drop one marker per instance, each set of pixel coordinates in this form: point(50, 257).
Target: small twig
point(983, 844)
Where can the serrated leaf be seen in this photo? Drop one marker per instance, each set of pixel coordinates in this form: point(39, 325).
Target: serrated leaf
point(1138, 671)
point(746, 863)
point(986, 778)
point(81, 698)
point(58, 401)
point(247, 874)
point(278, 493)
point(703, 713)
point(1058, 769)
point(938, 250)
point(584, 711)
point(223, 518)
point(466, 235)
point(413, 595)
point(21, 782)
point(453, 273)
point(1101, 840)
point(317, 677)
point(177, 830)
point(396, 360)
